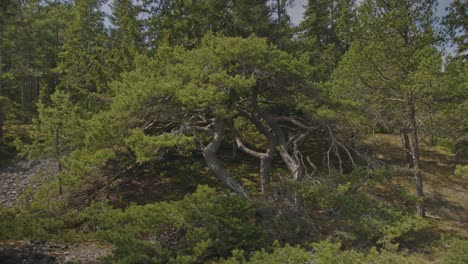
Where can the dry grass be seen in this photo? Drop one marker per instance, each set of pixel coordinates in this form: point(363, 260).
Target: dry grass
point(446, 195)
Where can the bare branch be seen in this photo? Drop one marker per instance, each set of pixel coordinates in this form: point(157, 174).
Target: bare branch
point(244, 148)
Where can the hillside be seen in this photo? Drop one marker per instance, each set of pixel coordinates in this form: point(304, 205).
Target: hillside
point(446, 195)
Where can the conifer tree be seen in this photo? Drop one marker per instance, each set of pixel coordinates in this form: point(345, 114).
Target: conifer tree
point(393, 66)
point(187, 99)
point(324, 34)
point(127, 35)
point(56, 130)
point(84, 57)
point(186, 22)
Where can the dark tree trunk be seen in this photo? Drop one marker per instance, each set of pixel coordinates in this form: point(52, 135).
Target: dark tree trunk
point(266, 165)
point(215, 165)
point(407, 147)
point(58, 157)
point(265, 172)
point(2, 108)
point(235, 154)
point(416, 158)
point(293, 165)
point(109, 182)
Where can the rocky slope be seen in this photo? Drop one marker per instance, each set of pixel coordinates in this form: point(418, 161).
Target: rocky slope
point(14, 179)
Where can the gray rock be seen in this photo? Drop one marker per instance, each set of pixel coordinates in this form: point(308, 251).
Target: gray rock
point(16, 178)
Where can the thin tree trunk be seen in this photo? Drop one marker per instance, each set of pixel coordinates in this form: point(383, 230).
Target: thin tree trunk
point(109, 182)
point(2, 108)
point(266, 165)
point(215, 165)
point(416, 158)
point(431, 129)
point(266, 161)
point(57, 157)
point(23, 96)
point(235, 154)
point(407, 147)
point(265, 172)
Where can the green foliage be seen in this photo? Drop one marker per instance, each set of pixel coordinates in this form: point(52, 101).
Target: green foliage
point(323, 252)
point(43, 198)
point(461, 171)
point(154, 106)
point(323, 34)
point(450, 97)
point(327, 252)
point(200, 226)
point(277, 255)
point(7, 151)
point(56, 129)
point(17, 225)
point(453, 251)
point(456, 26)
point(396, 69)
point(185, 23)
point(146, 146)
point(85, 64)
point(150, 85)
point(127, 36)
point(365, 218)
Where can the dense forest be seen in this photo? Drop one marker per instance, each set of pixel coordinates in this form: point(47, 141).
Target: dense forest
point(217, 131)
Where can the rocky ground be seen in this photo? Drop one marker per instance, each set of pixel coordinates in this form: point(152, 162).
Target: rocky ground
point(14, 179)
point(12, 252)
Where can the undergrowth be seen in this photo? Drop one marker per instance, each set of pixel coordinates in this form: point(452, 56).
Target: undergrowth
point(346, 221)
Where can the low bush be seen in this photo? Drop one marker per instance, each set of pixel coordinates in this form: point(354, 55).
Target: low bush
point(461, 171)
point(452, 251)
point(324, 252)
point(362, 215)
point(201, 226)
point(20, 225)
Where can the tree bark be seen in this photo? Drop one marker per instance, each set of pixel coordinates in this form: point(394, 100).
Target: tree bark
point(235, 154)
point(266, 165)
point(266, 159)
point(215, 165)
point(416, 157)
point(265, 172)
point(407, 147)
point(2, 108)
point(294, 166)
point(58, 156)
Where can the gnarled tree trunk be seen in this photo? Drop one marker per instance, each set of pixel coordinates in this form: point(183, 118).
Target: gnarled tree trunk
point(215, 165)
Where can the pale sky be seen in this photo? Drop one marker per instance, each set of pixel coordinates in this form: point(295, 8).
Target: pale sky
point(297, 10)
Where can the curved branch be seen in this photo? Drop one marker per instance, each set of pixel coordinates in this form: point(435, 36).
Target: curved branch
point(244, 148)
point(255, 120)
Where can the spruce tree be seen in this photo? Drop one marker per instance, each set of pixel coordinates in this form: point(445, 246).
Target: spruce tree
point(84, 58)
